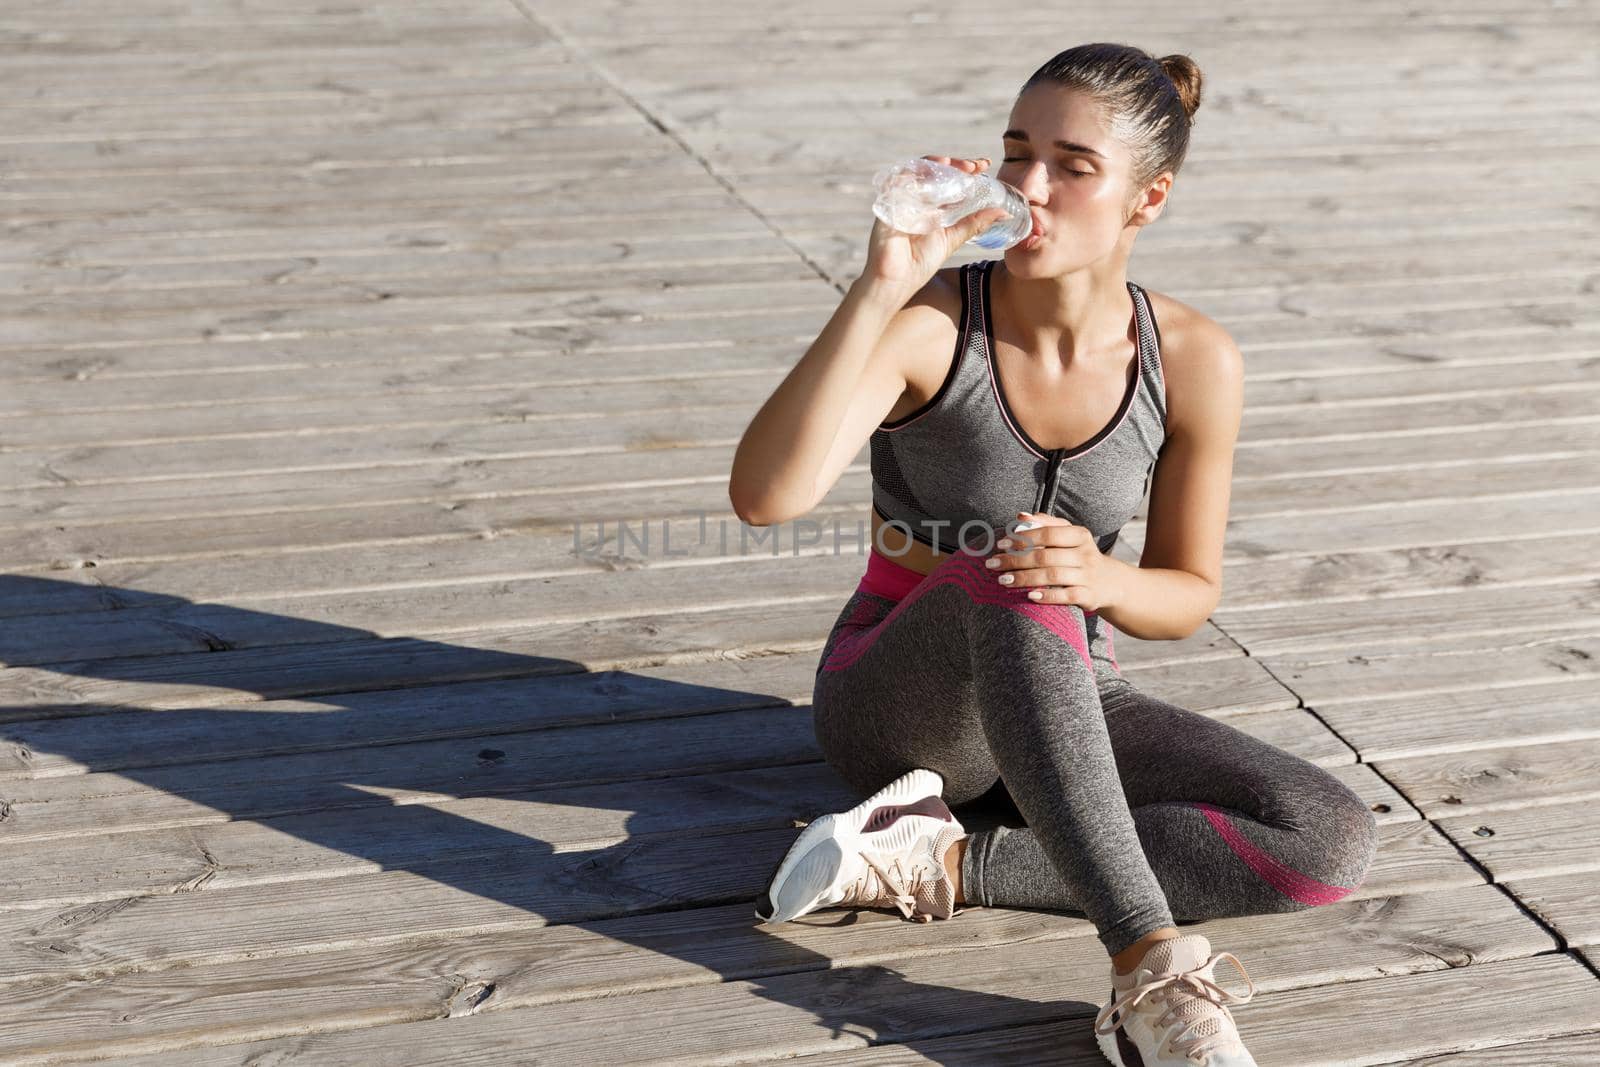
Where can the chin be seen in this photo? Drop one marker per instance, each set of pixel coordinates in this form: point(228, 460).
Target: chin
point(1024, 264)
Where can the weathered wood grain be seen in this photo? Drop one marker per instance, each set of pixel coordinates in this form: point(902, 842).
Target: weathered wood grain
point(930, 1001)
point(346, 989)
point(327, 323)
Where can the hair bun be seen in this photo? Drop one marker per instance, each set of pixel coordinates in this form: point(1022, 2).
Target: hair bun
point(1185, 75)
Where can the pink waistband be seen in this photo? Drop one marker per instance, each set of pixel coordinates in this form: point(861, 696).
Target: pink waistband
point(886, 578)
point(892, 580)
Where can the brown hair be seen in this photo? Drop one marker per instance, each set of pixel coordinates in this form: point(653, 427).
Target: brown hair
point(1151, 102)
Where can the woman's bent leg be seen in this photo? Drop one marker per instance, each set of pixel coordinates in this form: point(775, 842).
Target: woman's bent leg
point(1231, 825)
point(971, 679)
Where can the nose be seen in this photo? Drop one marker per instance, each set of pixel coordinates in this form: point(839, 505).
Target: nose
point(1031, 181)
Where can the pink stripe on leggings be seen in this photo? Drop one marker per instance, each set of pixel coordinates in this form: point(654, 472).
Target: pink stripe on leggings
point(1286, 880)
point(962, 569)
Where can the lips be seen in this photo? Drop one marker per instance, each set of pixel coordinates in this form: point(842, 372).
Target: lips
point(1038, 228)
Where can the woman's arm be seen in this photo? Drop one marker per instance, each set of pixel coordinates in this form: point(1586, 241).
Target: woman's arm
point(850, 376)
point(821, 414)
point(1178, 582)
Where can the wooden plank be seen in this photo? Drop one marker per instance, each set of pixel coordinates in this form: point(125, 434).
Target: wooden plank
point(345, 989)
point(428, 186)
point(486, 498)
point(884, 93)
point(1334, 577)
point(183, 680)
point(54, 744)
point(1392, 621)
point(1378, 454)
point(1455, 1017)
point(590, 338)
point(1487, 780)
point(425, 256)
point(490, 499)
point(1352, 677)
point(446, 545)
point(1574, 1050)
point(149, 148)
point(315, 829)
point(180, 626)
point(1549, 839)
point(1459, 695)
point(1240, 306)
point(111, 76)
point(1566, 902)
point(1391, 524)
point(539, 238)
point(1386, 458)
point(172, 624)
point(482, 312)
point(803, 1014)
point(37, 412)
point(521, 887)
point(177, 625)
point(333, 293)
point(272, 117)
point(153, 798)
point(804, 187)
point(255, 353)
point(651, 68)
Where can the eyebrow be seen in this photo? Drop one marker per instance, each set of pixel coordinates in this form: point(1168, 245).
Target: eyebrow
point(1070, 146)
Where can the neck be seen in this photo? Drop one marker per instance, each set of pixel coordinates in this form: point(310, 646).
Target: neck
point(1074, 317)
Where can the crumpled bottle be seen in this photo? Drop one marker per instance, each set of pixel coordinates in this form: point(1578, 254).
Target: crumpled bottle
point(921, 195)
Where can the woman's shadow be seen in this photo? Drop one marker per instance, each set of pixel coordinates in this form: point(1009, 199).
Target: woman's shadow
point(335, 737)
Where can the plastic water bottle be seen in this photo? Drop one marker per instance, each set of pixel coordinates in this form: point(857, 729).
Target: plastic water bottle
point(921, 195)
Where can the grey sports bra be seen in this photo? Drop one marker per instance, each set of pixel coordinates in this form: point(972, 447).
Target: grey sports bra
point(960, 467)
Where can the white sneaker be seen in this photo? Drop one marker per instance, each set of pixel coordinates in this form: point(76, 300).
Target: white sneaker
point(1171, 1010)
point(887, 851)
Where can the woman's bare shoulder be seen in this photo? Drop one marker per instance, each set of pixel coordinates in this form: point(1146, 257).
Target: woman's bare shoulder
point(1187, 334)
point(930, 344)
point(1198, 356)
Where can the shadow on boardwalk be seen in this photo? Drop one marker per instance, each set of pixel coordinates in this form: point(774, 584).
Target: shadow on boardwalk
point(354, 753)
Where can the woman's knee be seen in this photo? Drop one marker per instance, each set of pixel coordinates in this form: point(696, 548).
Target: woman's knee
point(966, 781)
point(1357, 828)
point(1341, 845)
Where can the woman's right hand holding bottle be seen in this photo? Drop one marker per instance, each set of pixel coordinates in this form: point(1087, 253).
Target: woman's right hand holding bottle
point(899, 264)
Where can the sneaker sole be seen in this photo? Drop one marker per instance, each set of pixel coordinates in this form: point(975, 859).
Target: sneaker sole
point(1119, 1048)
point(808, 870)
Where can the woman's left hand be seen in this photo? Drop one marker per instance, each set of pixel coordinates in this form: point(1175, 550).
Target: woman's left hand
point(1058, 561)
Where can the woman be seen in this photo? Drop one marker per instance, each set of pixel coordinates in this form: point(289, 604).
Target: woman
point(1039, 387)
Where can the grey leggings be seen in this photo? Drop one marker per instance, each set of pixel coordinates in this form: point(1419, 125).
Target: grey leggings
point(1136, 811)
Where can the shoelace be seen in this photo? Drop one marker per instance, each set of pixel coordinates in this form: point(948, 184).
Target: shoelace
point(896, 890)
point(1177, 990)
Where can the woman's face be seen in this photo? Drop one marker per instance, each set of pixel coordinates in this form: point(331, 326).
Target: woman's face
point(1078, 190)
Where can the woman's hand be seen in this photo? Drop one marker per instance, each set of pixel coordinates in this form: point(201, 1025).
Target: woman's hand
point(903, 262)
point(1058, 561)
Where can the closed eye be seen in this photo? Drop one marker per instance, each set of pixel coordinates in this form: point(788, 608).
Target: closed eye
point(1076, 173)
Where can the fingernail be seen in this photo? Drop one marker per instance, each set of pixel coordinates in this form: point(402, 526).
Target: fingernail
point(991, 563)
point(1034, 594)
point(1007, 579)
point(1004, 542)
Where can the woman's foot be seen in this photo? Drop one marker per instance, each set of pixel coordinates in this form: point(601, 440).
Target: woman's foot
point(889, 851)
point(1170, 1011)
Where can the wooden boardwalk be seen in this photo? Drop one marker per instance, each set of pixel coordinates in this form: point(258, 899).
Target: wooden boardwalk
point(331, 728)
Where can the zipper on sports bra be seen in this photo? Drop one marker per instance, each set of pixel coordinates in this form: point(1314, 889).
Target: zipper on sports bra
point(1047, 491)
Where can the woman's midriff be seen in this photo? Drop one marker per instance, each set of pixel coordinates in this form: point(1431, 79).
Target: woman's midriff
point(901, 547)
point(896, 563)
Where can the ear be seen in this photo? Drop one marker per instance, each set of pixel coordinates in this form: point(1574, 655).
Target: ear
point(1148, 205)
